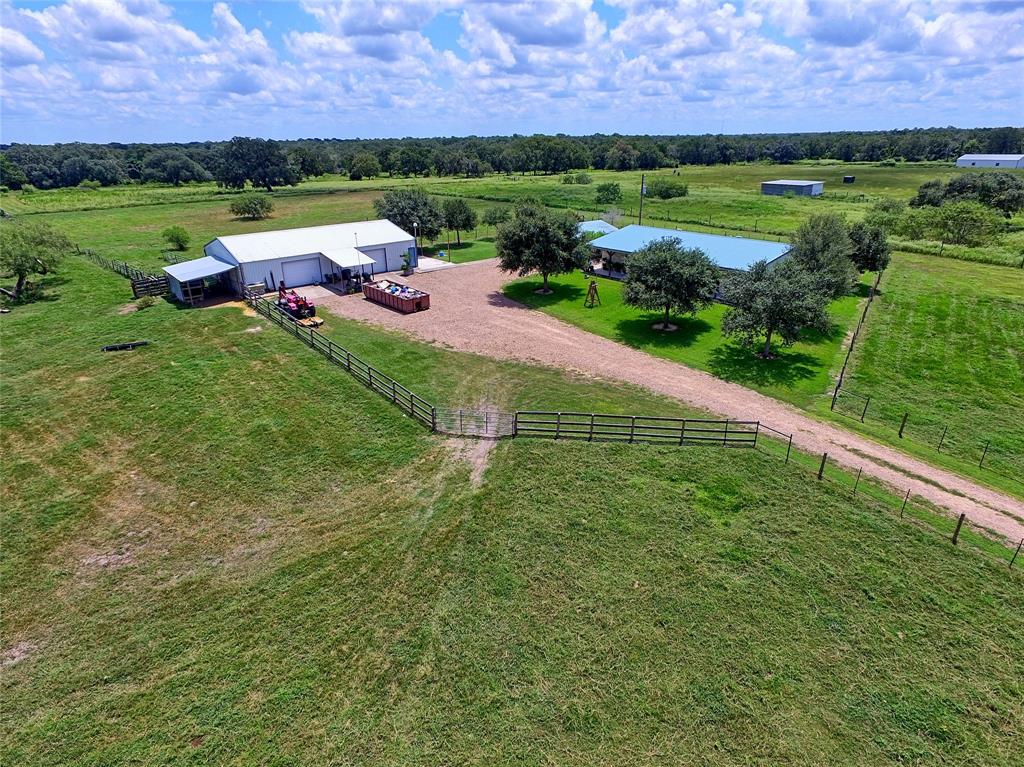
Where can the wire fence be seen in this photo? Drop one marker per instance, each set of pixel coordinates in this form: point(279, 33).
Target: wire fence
point(986, 452)
point(856, 334)
point(927, 432)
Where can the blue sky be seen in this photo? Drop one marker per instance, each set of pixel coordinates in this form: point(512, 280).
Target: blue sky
point(146, 70)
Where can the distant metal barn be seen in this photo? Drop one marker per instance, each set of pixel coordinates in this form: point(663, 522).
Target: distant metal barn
point(990, 161)
point(793, 186)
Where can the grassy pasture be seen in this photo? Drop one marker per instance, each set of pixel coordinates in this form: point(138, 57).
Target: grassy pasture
point(220, 549)
point(944, 343)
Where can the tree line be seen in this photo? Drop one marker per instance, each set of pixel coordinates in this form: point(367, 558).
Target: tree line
point(270, 163)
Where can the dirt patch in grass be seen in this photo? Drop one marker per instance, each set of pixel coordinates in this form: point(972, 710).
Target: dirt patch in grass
point(128, 309)
point(111, 561)
point(16, 653)
point(247, 310)
point(475, 452)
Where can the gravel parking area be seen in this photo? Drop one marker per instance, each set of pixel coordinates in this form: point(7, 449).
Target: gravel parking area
point(469, 312)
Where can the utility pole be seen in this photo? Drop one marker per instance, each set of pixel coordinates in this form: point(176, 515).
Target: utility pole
point(643, 190)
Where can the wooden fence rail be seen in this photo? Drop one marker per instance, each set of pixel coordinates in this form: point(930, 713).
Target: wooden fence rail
point(635, 428)
point(407, 401)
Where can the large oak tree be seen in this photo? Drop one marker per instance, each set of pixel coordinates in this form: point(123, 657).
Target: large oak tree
point(538, 240)
point(666, 276)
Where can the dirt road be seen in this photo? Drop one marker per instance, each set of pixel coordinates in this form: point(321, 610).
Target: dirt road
point(468, 312)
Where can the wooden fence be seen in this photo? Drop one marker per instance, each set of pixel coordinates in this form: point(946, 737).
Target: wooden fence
point(407, 401)
point(143, 283)
point(595, 427)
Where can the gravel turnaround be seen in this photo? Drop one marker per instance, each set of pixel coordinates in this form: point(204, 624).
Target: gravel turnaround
point(468, 312)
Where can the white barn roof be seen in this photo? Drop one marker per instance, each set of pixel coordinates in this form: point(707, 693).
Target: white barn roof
point(1008, 158)
point(284, 243)
point(793, 182)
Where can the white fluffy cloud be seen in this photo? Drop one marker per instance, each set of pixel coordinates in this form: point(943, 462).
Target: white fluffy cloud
point(135, 69)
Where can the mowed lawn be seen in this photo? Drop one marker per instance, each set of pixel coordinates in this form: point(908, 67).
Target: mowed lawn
point(220, 549)
point(462, 252)
point(944, 344)
point(798, 374)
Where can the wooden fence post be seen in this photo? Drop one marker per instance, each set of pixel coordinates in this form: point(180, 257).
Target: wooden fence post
point(433, 418)
point(943, 437)
point(959, 524)
point(632, 427)
point(904, 506)
point(558, 425)
point(1016, 553)
point(515, 424)
point(857, 482)
point(725, 433)
point(984, 453)
point(590, 437)
point(789, 447)
point(864, 412)
point(903, 424)
point(821, 469)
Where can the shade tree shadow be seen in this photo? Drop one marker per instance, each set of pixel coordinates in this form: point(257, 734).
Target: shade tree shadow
point(638, 332)
point(743, 364)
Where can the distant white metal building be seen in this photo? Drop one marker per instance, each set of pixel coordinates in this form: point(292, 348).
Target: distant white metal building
point(990, 161)
point(793, 186)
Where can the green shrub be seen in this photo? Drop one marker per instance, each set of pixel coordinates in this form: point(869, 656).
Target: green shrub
point(145, 302)
point(176, 237)
point(569, 178)
point(252, 205)
point(4, 189)
point(667, 187)
point(29, 189)
point(583, 178)
point(609, 192)
point(89, 184)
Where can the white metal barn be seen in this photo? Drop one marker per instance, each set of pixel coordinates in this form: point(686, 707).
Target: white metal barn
point(305, 256)
point(990, 161)
point(793, 186)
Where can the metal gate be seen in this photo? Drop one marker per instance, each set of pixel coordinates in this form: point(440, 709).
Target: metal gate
point(474, 423)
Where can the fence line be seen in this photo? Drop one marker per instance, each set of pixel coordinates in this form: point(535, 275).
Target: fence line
point(143, 283)
point(594, 427)
point(854, 337)
point(863, 404)
point(579, 426)
point(407, 401)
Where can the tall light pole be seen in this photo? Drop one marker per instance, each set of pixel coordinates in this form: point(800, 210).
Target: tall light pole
point(416, 239)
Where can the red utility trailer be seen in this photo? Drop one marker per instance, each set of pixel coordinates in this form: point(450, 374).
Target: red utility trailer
point(397, 296)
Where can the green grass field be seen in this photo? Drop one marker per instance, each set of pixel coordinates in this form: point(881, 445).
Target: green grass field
point(798, 374)
point(945, 344)
point(801, 375)
point(220, 549)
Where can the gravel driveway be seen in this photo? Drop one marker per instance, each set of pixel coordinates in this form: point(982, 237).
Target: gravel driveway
point(469, 312)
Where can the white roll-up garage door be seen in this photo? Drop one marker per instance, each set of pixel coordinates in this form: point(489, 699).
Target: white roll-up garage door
point(303, 272)
point(379, 256)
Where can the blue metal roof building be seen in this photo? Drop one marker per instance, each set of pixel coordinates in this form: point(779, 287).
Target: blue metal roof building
point(735, 253)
